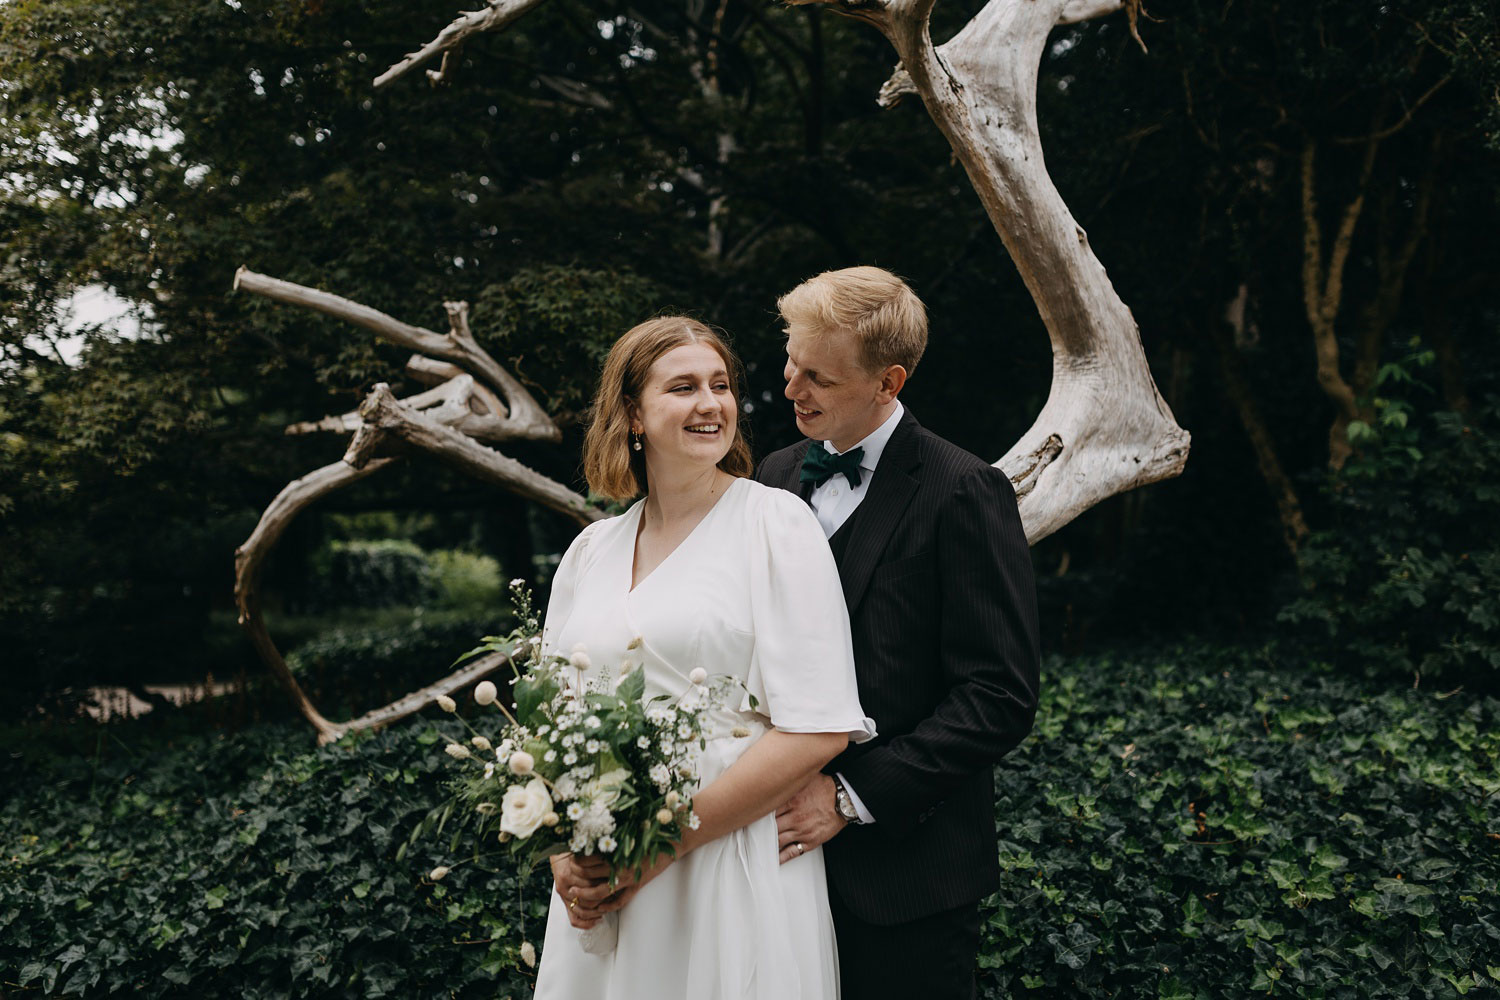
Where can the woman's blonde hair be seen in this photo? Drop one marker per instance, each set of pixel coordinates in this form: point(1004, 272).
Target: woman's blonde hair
point(888, 321)
point(612, 468)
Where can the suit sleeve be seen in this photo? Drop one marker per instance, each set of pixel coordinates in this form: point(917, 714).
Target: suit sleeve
point(989, 653)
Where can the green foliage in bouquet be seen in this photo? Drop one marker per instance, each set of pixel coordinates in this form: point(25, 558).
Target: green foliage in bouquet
point(587, 763)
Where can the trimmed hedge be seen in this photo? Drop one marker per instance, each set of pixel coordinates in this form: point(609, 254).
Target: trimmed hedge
point(1196, 824)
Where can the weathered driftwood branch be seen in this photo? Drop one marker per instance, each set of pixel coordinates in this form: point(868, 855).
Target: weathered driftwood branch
point(383, 412)
point(1105, 428)
point(525, 418)
point(248, 558)
point(499, 14)
point(463, 677)
point(444, 421)
point(460, 402)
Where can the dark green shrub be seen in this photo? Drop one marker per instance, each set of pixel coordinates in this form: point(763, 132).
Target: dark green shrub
point(464, 581)
point(1200, 825)
point(387, 572)
point(246, 866)
point(1407, 581)
point(1196, 824)
point(362, 667)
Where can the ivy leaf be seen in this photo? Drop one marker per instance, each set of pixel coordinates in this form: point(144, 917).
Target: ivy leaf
point(1073, 947)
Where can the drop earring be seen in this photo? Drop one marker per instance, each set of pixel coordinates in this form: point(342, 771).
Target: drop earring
point(635, 441)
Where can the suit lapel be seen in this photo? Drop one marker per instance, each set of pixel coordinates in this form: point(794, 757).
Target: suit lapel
point(891, 491)
point(790, 478)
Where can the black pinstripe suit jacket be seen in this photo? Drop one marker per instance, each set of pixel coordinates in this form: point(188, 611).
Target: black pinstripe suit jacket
point(937, 576)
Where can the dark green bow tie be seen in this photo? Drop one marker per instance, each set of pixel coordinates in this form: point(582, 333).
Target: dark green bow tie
point(820, 465)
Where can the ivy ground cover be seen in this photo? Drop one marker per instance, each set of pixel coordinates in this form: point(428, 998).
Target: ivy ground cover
point(1193, 823)
point(1223, 824)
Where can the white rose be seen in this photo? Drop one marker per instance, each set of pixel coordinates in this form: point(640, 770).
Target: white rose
point(484, 692)
point(524, 807)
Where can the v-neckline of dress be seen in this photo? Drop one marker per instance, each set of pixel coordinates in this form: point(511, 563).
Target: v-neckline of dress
point(632, 584)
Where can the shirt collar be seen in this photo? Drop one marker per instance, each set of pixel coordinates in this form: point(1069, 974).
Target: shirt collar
point(875, 442)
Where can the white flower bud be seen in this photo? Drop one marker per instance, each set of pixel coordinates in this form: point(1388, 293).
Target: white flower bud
point(521, 762)
point(485, 809)
point(446, 703)
point(625, 668)
point(480, 742)
point(457, 751)
point(438, 873)
point(739, 732)
point(580, 660)
point(579, 647)
point(698, 676)
point(484, 692)
point(528, 954)
point(664, 816)
point(551, 819)
point(518, 582)
point(635, 643)
point(672, 799)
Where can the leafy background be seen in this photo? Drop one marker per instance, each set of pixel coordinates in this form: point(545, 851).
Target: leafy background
point(1181, 823)
point(1259, 768)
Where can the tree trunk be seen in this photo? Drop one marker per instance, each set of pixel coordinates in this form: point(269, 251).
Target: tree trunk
point(1288, 507)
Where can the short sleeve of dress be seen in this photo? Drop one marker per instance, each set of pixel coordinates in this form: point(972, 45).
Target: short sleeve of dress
point(802, 667)
point(564, 587)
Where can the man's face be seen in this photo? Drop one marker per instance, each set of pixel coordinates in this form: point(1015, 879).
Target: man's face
point(835, 399)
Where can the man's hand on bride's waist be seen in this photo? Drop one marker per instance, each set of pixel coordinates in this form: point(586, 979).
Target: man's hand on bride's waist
point(808, 819)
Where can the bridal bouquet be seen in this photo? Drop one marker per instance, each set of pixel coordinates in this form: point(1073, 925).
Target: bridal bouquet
point(583, 765)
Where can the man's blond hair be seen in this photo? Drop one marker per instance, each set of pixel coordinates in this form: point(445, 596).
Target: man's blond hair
point(887, 319)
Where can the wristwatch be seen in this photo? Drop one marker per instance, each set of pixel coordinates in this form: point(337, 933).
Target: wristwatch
point(843, 803)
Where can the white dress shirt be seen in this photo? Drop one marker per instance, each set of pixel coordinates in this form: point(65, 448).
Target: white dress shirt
point(837, 498)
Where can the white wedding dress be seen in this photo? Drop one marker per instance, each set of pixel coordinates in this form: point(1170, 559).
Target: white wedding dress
point(753, 592)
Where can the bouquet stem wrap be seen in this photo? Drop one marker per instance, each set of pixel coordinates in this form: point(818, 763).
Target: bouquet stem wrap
point(601, 938)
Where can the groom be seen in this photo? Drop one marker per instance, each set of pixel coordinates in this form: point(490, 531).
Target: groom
point(937, 576)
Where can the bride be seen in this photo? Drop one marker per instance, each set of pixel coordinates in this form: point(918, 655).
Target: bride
point(713, 570)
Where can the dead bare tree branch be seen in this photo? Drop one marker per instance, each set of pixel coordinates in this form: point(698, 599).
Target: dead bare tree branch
point(443, 421)
point(525, 418)
point(498, 15)
point(1105, 428)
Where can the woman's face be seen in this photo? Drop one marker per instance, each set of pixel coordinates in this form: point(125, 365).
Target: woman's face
point(686, 411)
